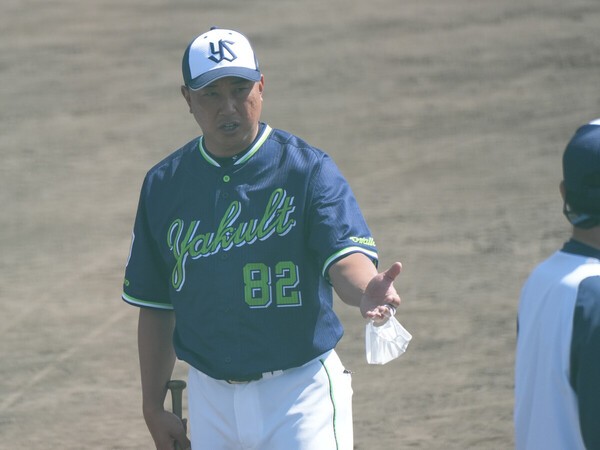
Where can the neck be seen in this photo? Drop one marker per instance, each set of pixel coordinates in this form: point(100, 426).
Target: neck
point(589, 237)
point(225, 148)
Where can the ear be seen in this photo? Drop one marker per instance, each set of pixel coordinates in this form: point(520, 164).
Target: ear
point(186, 94)
point(563, 191)
point(261, 85)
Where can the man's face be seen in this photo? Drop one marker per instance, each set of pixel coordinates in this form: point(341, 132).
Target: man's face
point(228, 111)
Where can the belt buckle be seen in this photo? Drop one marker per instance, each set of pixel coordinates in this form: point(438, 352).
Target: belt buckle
point(245, 380)
point(237, 381)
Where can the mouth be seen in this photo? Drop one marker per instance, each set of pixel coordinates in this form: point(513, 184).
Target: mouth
point(229, 127)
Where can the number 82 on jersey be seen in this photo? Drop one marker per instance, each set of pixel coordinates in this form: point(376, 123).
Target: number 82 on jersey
point(260, 290)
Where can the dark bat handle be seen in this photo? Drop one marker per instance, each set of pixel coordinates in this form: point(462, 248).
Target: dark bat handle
point(176, 387)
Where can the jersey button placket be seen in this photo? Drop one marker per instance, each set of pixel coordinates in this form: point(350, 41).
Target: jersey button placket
point(223, 201)
point(224, 191)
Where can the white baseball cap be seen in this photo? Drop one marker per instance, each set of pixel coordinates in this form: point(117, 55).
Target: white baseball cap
point(216, 54)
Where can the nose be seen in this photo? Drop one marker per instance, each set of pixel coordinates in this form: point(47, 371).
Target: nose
point(227, 104)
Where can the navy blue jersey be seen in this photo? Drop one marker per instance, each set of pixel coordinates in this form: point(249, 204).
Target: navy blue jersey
point(241, 253)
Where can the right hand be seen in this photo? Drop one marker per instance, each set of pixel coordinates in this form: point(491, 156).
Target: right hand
point(166, 430)
point(380, 293)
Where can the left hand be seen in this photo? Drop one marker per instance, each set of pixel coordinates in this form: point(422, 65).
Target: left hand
point(380, 292)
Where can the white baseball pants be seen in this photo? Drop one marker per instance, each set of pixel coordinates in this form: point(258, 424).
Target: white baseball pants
point(304, 408)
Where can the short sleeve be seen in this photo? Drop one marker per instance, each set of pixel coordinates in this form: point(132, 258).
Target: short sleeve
point(337, 226)
point(585, 359)
point(146, 278)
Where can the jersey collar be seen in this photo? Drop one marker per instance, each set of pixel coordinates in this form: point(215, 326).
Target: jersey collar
point(258, 142)
point(579, 248)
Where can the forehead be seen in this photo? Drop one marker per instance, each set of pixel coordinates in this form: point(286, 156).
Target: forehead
point(227, 82)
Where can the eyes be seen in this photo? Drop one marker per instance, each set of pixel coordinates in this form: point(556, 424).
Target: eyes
point(238, 91)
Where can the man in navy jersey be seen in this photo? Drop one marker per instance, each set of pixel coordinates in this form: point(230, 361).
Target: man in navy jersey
point(239, 237)
point(557, 371)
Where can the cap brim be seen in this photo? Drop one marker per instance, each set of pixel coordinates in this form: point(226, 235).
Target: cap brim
point(213, 75)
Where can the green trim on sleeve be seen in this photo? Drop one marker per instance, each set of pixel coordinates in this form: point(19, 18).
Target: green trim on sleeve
point(137, 302)
point(345, 252)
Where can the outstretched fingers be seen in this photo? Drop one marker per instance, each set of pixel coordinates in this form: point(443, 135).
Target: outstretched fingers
point(393, 271)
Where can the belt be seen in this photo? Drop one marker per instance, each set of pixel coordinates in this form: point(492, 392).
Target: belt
point(256, 377)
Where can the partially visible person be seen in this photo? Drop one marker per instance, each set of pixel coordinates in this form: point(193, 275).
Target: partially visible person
point(557, 368)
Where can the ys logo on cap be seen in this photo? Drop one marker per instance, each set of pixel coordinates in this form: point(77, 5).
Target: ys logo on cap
point(223, 52)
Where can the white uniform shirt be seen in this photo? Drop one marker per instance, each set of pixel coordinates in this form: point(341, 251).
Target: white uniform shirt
point(557, 370)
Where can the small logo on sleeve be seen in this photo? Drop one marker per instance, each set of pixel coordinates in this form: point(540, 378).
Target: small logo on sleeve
point(364, 240)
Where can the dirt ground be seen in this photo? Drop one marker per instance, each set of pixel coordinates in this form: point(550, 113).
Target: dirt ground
point(448, 117)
